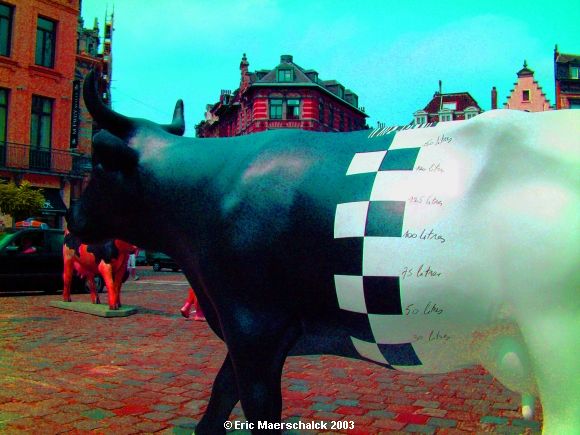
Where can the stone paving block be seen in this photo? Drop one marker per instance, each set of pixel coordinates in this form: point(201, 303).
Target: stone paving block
point(97, 413)
point(381, 414)
point(492, 419)
point(87, 424)
point(419, 428)
point(159, 416)
point(150, 426)
point(432, 412)
point(426, 404)
point(412, 418)
point(63, 417)
point(328, 407)
point(347, 402)
point(441, 422)
point(389, 425)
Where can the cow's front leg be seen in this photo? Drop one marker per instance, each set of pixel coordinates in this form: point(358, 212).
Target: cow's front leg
point(93, 289)
point(224, 396)
point(117, 283)
point(67, 275)
point(106, 272)
point(258, 344)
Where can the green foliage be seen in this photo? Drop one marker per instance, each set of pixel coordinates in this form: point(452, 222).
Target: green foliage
point(21, 201)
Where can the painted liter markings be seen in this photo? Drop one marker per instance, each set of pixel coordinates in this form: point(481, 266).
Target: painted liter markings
point(374, 297)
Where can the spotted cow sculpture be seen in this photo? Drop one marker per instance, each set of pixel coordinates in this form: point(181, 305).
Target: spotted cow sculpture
point(426, 250)
point(107, 259)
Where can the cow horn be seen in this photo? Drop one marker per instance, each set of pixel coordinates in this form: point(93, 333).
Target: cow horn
point(120, 125)
point(177, 126)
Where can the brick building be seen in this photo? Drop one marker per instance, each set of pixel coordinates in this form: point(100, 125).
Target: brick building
point(286, 96)
point(527, 94)
point(38, 60)
point(567, 78)
point(448, 107)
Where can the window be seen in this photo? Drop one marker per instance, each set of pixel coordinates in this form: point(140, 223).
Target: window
point(6, 13)
point(421, 119)
point(40, 132)
point(469, 115)
point(445, 116)
point(450, 105)
point(574, 72)
point(526, 95)
point(45, 41)
point(275, 109)
point(341, 121)
point(3, 124)
point(321, 112)
point(285, 75)
point(293, 109)
point(331, 117)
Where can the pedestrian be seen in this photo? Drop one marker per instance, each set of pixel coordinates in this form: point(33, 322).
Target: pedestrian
point(132, 265)
point(192, 301)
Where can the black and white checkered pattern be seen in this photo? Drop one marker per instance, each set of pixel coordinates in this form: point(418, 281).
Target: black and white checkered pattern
point(368, 288)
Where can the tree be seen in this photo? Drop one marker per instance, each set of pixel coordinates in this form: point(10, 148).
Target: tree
point(21, 201)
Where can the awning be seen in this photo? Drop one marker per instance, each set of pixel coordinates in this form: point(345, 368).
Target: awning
point(53, 203)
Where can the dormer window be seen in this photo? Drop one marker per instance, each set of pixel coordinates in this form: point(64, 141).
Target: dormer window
point(445, 115)
point(341, 92)
point(285, 75)
point(471, 112)
point(452, 105)
point(574, 72)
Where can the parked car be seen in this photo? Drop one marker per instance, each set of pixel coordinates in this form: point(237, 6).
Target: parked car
point(31, 259)
point(141, 259)
point(161, 261)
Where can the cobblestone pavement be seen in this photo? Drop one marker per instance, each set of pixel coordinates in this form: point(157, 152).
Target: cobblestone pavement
point(67, 372)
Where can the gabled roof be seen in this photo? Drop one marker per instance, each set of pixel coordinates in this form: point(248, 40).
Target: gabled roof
point(463, 100)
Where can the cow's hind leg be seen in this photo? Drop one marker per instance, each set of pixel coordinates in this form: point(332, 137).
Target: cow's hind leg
point(552, 338)
point(224, 396)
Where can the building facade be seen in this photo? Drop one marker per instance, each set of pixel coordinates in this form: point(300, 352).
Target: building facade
point(567, 78)
point(38, 90)
point(286, 96)
point(527, 94)
point(448, 107)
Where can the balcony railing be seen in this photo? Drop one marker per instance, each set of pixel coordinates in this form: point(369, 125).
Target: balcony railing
point(284, 123)
point(24, 157)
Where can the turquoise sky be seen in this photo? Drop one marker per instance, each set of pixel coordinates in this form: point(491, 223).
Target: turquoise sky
point(390, 53)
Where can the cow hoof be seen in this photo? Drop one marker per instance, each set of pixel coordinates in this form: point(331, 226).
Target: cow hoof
point(199, 318)
point(67, 299)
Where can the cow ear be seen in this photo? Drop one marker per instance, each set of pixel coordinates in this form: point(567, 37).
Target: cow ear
point(112, 153)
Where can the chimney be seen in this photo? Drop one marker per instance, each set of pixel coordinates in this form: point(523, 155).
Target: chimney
point(245, 76)
point(493, 98)
point(286, 58)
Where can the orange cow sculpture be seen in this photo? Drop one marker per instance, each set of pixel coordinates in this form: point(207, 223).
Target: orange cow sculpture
point(109, 259)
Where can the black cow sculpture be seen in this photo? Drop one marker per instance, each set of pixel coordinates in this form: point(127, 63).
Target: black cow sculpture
point(425, 250)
